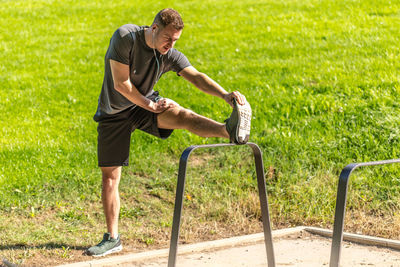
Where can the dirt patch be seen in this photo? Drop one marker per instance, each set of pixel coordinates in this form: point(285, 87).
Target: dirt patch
point(373, 224)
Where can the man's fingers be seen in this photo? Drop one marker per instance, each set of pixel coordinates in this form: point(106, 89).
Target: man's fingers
point(244, 99)
point(241, 99)
point(161, 106)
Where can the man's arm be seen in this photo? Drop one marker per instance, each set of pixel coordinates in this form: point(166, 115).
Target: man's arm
point(122, 83)
point(209, 86)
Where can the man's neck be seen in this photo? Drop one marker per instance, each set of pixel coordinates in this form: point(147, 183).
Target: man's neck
point(148, 37)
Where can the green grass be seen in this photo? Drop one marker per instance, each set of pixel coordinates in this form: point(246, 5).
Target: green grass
point(322, 78)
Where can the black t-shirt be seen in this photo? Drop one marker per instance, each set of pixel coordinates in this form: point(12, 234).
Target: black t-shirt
point(128, 46)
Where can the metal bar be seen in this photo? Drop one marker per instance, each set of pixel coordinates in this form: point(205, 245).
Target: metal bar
point(339, 214)
point(180, 188)
point(180, 194)
point(264, 204)
point(340, 210)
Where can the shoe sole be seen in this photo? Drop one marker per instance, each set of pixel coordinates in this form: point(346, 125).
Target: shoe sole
point(244, 123)
point(113, 250)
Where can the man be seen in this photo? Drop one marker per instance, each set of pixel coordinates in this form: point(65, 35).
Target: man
point(135, 60)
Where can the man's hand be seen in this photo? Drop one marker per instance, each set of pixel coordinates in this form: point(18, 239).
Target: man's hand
point(241, 99)
point(163, 104)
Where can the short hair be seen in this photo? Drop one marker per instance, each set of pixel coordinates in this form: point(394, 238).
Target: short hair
point(169, 16)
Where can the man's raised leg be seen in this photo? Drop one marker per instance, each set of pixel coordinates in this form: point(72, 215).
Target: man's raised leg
point(182, 118)
point(236, 129)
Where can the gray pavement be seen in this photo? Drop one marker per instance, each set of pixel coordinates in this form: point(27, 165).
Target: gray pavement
point(307, 251)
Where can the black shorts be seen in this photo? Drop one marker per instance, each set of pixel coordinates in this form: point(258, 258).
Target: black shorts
point(114, 134)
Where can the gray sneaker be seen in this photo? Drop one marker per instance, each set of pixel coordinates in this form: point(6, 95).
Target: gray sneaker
point(238, 124)
point(107, 246)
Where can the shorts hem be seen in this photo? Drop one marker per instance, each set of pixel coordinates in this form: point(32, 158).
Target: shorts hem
point(160, 132)
point(119, 164)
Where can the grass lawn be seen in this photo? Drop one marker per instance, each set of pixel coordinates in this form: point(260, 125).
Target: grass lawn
point(323, 81)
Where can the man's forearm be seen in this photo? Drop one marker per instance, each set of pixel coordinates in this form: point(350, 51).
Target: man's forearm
point(209, 86)
point(128, 90)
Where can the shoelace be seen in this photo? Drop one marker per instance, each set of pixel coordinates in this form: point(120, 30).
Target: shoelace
point(102, 243)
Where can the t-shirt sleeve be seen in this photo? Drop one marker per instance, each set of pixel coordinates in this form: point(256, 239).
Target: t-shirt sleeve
point(120, 46)
point(178, 61)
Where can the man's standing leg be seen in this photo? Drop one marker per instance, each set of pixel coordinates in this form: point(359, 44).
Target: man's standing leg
point(110, 198)
point(113, 153)
point(111, 204)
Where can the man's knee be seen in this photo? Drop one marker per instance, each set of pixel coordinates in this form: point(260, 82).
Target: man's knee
point(185, 118)
point(184, 115)
point(111, 175)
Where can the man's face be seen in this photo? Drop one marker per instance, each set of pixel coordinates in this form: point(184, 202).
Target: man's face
point(165, 38)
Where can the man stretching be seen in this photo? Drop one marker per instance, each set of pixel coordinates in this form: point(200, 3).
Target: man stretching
point(136, 58)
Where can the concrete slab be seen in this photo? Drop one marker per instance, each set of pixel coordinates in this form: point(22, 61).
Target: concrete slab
point(304, 250)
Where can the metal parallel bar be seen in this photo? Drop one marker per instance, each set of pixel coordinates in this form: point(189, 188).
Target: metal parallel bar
point(180, 194)
point(264, 204)
point(339, 214)
point(340, 210)
point(180, 188)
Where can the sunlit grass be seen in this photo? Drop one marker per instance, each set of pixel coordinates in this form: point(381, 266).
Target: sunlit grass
point(322, 78)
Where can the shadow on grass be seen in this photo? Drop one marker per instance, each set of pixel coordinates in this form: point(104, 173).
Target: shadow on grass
point(50, 245)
